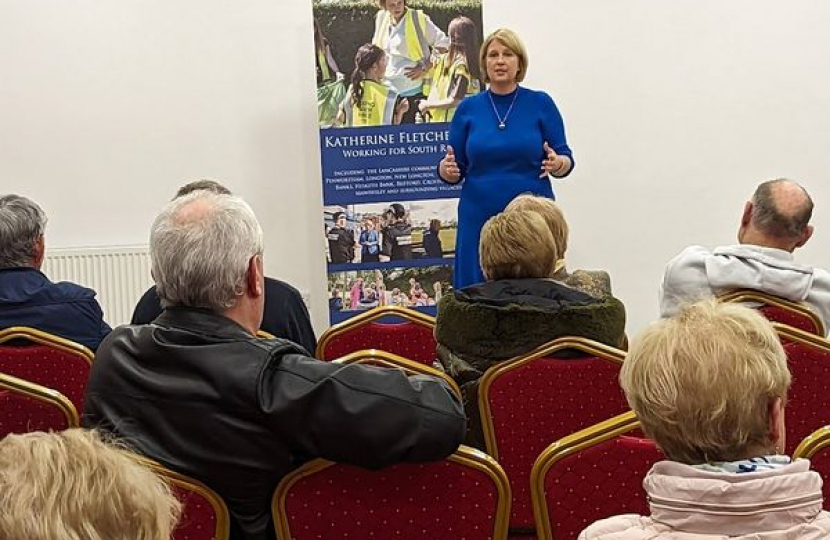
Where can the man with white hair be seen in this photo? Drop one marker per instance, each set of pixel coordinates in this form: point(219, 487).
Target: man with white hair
point(775, 222)
point(197, 391)
point(27, 297)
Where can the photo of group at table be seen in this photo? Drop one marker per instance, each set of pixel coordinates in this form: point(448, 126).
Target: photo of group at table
point(405, 287)
point(394, 63)
point(382, 232)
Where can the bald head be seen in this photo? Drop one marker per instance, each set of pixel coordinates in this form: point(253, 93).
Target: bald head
point(781, 209)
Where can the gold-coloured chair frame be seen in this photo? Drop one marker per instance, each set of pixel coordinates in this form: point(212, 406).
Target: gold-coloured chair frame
point(789, 333)
point(464, 455)
point(376, 357)
point(410, 315)
point(262, 334)
point(750, 295)
point(45, 338)
point(564, 447)
point(220, 509)
point(812, 443)
point(581, 344)
point(43, 394)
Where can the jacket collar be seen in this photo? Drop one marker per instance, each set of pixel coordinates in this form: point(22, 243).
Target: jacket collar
point(702, 502)
point(203, 321)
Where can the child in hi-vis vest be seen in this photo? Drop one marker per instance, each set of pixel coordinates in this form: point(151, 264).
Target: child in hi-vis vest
point(369, 102)
point(456, 73)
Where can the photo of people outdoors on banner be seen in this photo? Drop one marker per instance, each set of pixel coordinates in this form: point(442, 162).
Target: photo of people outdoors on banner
point(389, 62)
point(357, 290)
point(381, 232)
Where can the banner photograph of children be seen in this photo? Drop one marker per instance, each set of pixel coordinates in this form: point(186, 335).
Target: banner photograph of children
point(388, 62)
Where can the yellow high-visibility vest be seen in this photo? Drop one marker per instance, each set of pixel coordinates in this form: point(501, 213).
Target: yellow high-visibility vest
point(442, 83)
point(323, 62)
point(377, 108)
point(415, 21)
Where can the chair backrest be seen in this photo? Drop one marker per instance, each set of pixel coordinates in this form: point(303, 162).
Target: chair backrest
point(204, 514)
point(592, 474)
point(27, 407)
point(374, 357)
point(411, 336)
point(464, 496)
point(47, 360)
point(816, 448)
point(808, 400)
point(779, 310)
point(535, 399)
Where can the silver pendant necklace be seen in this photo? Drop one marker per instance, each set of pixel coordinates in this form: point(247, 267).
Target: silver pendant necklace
point(502, 121)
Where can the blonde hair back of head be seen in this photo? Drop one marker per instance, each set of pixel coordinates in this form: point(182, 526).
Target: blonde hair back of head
point(551, 213)
point(509, 39)
point(702, 382)
point(517, 245)
point(71, 485)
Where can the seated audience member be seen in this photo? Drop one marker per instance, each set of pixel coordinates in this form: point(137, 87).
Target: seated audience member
point(709, 386)
point(72, 485)
point(774, 223)
point(27, 297)
point(286, 315)
point(197, 391)
point(594, 282)
point(518, 309)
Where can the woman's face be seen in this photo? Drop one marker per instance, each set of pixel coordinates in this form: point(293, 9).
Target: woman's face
point(380, 66)
point(502, 63)
point(396, 8)
point(370, 225)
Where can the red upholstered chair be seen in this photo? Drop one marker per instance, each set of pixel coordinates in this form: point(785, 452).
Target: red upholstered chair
point(204, 514)
point(47, 360)
point(808, 400)
point(374, 357)
point(533, 400)
point(27, 407)
point(592, 474)
point(411, 337)
point(816, 448)
point(464, 496)
point(779, 310)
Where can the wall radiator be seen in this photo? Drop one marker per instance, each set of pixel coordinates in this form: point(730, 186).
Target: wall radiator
point(120, 275)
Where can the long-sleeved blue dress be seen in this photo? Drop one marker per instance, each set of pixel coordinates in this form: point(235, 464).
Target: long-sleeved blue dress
point(499, 164)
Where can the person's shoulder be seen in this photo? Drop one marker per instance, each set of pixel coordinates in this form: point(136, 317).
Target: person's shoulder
point(274, 286)
point(540, 96)
point(69, 290)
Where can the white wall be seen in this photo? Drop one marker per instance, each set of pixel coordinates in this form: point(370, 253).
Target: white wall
point(675, 110)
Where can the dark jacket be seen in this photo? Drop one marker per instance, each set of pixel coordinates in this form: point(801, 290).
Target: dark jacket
point(285, 315)
point(432, 245)
point(397, 241)
point(341, 245)
point(28, 298)
point(196, 392)
point(485, 324)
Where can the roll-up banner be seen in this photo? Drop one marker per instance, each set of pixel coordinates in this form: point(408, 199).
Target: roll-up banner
point(389, 76)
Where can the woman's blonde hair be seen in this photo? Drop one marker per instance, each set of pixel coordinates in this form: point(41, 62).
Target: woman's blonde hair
point(517, 245)
point(509, 39)
point(73, 486)
point(551, 213)
point(702, 382)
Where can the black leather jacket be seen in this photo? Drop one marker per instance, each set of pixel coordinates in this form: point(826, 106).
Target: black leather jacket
point(198, 393)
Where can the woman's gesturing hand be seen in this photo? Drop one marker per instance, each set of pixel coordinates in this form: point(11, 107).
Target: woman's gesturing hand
point(554, 163)
point(448, 168)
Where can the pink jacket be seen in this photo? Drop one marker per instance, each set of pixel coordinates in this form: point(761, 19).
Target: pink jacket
point(691, 504)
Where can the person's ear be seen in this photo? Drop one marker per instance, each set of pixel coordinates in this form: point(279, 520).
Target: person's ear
point(39, 252)
point(747, 215)
point(805, 235)
point(777, 428)
point(255, 276)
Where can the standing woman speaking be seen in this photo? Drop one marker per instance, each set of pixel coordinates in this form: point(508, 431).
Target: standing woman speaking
point(503, 142)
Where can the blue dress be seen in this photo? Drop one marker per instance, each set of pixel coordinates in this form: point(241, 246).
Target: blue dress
point(499, 164)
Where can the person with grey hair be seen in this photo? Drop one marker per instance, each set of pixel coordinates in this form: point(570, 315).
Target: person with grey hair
point(286, 315)
point(27, 296)
point(775, 222)
point(199, 392)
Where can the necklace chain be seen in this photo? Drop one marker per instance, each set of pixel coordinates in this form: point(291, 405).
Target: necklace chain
point(502, 121)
